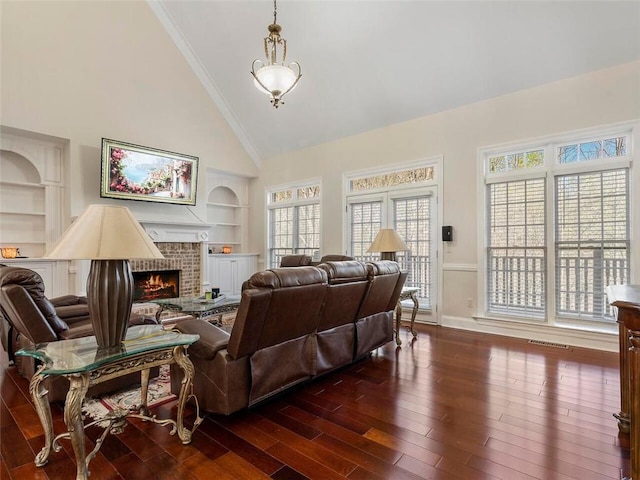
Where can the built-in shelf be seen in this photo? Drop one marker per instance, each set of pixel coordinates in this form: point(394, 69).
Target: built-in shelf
point(225, 214)
point(17, 243)
point(30, 192)
point(35, 214)
point(20, 184)
point(228, 205)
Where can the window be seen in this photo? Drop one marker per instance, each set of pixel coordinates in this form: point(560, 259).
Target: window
point(592, 240)
point(412, 219)
point(365, 221)
point(516, 254)
point(557, 244)
point(294, 221)
point(402, 199)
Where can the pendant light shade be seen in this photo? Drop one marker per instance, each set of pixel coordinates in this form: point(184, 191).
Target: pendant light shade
point(274, 77)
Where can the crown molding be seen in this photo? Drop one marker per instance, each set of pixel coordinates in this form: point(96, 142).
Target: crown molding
point(207, 82)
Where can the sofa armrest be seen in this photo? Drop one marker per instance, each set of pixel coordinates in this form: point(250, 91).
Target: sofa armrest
point(212, 339)
point(67, 300)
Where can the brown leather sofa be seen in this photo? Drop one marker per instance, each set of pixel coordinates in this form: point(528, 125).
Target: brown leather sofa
point(29, 318)
point(293, 324)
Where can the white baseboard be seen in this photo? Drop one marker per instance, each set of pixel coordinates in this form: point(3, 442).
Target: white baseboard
point(546, 333)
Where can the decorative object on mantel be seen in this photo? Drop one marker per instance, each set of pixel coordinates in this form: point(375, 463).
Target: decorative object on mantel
point(226, 249)
point(133, 172)
point(387, 242)
point(109, 236)
point(10, 252)
point(275, 78)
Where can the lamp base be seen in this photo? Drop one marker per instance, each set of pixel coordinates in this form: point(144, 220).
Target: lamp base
point(388, 256)
point(110, 297)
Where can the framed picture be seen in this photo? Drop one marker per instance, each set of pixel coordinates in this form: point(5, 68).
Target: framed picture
point(133, 172)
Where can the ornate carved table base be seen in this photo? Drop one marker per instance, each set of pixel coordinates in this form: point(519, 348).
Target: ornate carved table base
point(79, 384)
point(624, 421)
point(406, 294)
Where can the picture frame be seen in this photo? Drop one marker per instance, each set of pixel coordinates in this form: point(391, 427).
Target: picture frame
point(135, 172)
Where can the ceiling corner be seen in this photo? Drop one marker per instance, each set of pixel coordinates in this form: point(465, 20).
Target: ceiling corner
point(207, 82)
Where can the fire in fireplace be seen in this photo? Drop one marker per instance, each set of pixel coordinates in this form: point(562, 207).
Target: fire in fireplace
point(153, 285)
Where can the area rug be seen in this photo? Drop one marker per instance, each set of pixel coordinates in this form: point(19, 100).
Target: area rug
point(128, 399)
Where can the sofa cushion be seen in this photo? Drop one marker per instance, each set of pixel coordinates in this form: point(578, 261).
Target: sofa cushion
point(287, 277)
point(297, 295)
point(71, 312)
point(384, 276)
point(344, 271)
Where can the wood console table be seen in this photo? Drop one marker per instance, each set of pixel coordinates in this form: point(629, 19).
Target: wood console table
point(84, 364)
point(626, 298)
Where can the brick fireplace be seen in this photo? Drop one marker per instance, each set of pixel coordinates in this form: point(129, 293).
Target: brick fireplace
point(181, 256)
point(182, 246)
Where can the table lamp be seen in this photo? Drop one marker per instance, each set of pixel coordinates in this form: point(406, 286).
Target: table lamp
point(109, 236)
point(387, 242)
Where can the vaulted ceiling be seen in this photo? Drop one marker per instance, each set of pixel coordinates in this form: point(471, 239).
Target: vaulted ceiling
point(368, 64)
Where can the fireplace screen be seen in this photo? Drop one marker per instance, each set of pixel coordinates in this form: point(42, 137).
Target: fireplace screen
point(157, 284)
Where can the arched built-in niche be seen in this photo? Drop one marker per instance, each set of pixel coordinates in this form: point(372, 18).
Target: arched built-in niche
point(18, 169)
point(225, 216)
point(30, 193)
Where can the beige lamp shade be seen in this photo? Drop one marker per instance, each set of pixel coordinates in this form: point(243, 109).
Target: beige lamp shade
point(387, 240)
point(104, 232)
point(109, 236)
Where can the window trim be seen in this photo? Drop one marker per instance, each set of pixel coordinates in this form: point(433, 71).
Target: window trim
point(294, 202)
point(553, 168)
point(435, 186)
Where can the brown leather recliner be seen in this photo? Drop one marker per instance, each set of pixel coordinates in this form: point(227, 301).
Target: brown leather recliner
point(335, 258)
point(31, 318)
point(295, 261)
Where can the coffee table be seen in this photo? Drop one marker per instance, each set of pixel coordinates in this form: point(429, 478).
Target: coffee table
point(197, 306)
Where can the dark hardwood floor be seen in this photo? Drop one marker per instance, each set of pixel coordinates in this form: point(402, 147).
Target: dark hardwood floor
point(450, 405)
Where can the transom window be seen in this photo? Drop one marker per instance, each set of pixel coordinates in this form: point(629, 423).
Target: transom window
point(294, 221)
point(593, 149)
point(386, 180)
point(516, 161)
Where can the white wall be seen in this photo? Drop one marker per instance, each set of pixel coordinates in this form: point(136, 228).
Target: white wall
point(602, 97)
point(85, 70)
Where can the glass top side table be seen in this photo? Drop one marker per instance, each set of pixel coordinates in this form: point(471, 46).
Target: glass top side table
point(84, 364)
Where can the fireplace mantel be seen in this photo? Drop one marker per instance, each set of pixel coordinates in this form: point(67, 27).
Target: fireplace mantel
point(177, 232)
